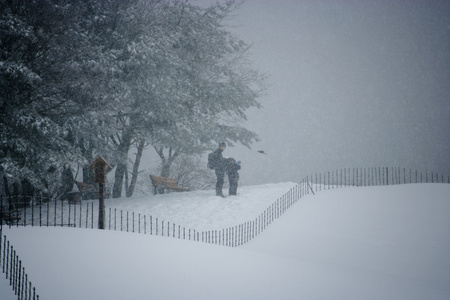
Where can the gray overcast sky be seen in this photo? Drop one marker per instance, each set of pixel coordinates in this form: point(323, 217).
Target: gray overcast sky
point(353, 84)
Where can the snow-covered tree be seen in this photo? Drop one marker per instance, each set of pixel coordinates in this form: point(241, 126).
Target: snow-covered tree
point(36, 92)
point(187, 81)
point(55, 82)
point(89, 77)
point(214, 85)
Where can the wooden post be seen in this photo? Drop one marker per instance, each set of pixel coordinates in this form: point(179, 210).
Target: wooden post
point(100, 165)
point(101, 207)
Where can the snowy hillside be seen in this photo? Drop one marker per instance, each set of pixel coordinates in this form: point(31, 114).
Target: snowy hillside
point(389, 242)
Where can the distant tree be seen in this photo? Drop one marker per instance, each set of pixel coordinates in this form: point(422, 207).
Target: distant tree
point(190, 171)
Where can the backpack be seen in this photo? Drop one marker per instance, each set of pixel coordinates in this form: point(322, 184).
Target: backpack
point(211, 161)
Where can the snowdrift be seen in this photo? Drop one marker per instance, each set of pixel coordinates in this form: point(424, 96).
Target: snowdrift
point(388, 242)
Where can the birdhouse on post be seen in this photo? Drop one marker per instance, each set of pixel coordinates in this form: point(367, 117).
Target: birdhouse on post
point(100, 165)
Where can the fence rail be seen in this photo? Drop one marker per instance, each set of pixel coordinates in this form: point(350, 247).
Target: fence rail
point(39, 211)
point(374, 176)
point(12, 267)
point(25, 211)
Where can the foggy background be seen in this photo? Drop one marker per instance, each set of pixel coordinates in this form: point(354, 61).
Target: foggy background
point(352, 84)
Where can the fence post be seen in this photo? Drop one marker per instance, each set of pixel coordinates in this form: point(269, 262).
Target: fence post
point(173, 230)
point(19, 277)
point(393, 176)
point(121, 220)
point(358, 177)
point(69, 213)
point(24, 211)
point(40, 210)
point(145, 224)
point(87, 215)
point(151, 225)
point(26, 286)
point(7, 260)
point(11, 266)
point(75, 214)
point(92, 215)
point(374, 176)
point(54, 219)
point(3, 255)
point(62, 213)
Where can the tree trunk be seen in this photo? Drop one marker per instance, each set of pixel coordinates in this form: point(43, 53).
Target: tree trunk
point(118, 180)
point(88, 174)
point(126, 180)
point(6, 185)
point(135, 172)
point(121, 168)
point(167, 162)
point(165, 171)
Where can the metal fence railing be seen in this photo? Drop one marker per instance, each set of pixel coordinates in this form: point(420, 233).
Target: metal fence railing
point(12, 267)
point(44, 212)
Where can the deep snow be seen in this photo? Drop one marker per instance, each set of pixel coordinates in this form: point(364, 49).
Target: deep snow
point(389, 242)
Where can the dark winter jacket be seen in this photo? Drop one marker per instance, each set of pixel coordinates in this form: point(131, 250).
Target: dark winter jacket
point(220, 163)
point(232, 170)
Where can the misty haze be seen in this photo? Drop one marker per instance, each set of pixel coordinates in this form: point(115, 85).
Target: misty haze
point(353, 84)
point(263, 149)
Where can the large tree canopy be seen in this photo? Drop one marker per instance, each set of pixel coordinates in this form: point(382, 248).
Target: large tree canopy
point(88, 77)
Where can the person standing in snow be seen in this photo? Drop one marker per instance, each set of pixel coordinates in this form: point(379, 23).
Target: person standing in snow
point(220, 168)
point(233, 176)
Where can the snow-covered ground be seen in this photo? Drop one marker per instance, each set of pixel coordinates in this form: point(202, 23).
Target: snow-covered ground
point(390, 242)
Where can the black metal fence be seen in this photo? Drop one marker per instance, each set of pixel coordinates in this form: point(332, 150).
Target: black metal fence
point(27, 211)
point(373, 176)
point(15, 272)
point(39, 211)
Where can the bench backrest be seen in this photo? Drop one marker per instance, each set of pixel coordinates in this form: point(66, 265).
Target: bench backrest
point(157, 181)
